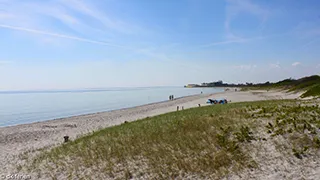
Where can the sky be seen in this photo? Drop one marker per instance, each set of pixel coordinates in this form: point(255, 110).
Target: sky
point(72, 44)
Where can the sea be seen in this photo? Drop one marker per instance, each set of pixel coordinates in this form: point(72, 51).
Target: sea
point(22, 107)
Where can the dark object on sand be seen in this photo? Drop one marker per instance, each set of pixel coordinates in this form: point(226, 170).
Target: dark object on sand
point(223, 101)
point(215, 101)
point(212, 101)
point(66, 138)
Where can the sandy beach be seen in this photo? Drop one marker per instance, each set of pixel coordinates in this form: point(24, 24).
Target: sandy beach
point(15, 140)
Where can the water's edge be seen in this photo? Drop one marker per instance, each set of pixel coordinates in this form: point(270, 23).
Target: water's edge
point(113, 110)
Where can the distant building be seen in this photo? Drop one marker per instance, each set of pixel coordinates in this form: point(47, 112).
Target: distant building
point(192, 85)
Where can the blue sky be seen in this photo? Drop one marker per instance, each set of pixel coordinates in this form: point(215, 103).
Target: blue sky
point(67, 44)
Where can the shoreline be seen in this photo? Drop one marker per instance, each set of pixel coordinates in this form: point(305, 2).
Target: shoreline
point(17, 139)
point(84, 114)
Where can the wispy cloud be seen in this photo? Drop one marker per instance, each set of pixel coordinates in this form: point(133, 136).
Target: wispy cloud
point(311, 42)
point(85, 8)
point(296, 64)
point(35, 31)
point(236, 7)
point(79, 17)
point(239, 40)
point(225, 42)
point(242, 40)
point(145, 51)
point(233, 9)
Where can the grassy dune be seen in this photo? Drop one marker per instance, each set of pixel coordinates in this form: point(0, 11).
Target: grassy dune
point(206, 142)
point(309, 85)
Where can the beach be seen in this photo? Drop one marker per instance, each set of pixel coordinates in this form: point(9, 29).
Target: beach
point(18, 139)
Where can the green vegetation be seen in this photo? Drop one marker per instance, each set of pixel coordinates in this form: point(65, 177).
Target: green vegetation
point(312, 91)
point(310, 85)
point(206, 142)
point(299, 123)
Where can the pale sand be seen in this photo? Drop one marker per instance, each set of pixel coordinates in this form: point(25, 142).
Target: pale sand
point(20, 138)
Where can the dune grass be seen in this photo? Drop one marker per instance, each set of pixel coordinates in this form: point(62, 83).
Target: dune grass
point(205, 142)
point(312, 91)
point(309, 85)
point(298, 123)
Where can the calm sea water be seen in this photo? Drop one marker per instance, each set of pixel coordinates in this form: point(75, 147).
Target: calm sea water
point(26, 107)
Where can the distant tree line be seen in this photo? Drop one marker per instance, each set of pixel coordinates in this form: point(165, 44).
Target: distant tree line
point(283, 83)
point(221, 84)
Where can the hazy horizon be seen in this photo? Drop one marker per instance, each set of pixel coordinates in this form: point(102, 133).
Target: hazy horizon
point(86, 89)
point(128, 87)
point(76, 44)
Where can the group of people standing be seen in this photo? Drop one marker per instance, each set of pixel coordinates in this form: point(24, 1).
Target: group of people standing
point(171, 97)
